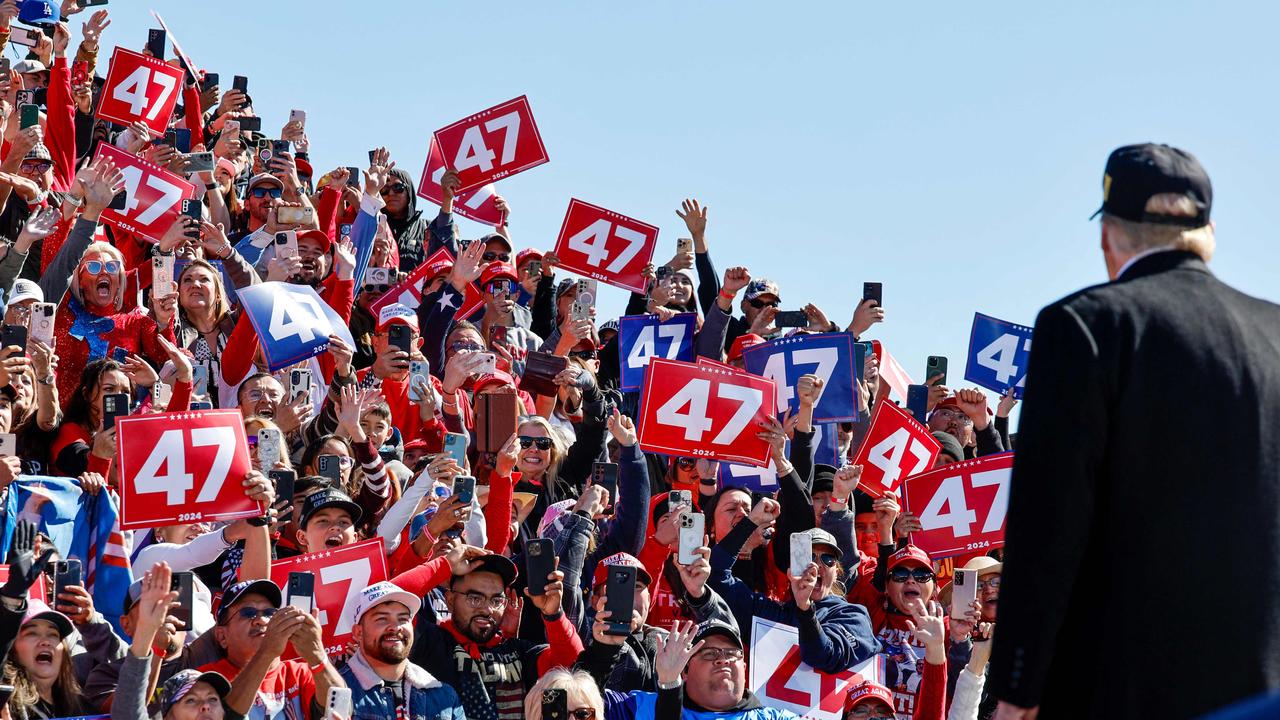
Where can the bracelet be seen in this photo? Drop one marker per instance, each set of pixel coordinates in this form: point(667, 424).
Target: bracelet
point(728, 296)
point(72, 200)
point(211, 186)
point(318, 666)
point(671, 685)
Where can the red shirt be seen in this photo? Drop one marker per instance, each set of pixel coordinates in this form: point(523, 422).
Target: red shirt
point(286, 693)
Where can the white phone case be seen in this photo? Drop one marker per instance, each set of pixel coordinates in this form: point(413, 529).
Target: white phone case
point(162, 275)
point(268, 448)
point(801, 553)
point(41, 322)
point(692, 532)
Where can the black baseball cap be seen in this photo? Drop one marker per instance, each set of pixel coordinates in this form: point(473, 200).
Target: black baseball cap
point(317, 501)
point(264, 588)
point(718, 627)
point(498, 564)
point(1135, 173)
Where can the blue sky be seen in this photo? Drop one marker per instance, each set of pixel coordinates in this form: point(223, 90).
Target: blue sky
point(954, 154)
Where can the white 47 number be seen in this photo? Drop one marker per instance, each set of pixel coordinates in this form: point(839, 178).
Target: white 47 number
point(998, 357)
point(888, 453)
point(775, 369)
point(169, 455)
point(950, 497)
point(170, 194)
point(695, 422)
point(646, 348)
point(134, 91)
point(592, 240)
point(473, 152)
point(356, 573)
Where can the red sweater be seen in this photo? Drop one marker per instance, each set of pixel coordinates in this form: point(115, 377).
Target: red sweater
point(103, 329)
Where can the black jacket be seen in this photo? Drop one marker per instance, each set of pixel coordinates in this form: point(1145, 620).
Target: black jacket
point(1152, 407)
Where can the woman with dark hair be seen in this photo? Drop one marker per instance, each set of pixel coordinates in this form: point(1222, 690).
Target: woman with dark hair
point(81, 444)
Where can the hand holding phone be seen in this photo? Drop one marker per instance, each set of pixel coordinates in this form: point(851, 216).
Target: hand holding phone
point(692, 535)
point(302, 591)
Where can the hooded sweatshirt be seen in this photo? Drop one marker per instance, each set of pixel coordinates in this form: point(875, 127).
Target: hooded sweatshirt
point(416, 239)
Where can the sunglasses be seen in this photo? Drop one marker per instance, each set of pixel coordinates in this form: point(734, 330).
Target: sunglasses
point(759, 304)
point(543, 443)
point(261, 192)
point(827, 559)
point(97, 266)
point(379, 288)
point(686, 463)
point(584, 354)
point(251, 614)
point(498, 287)
point(583, 713)
point(920, 575)
point(398, 189)
point(463, 346)
point(491, 256)
point(32, 167)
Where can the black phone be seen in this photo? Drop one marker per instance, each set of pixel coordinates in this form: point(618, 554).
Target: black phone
point(67, 572)
point(464, 488)
point(555, 704)
point(620, 599)
point(251, 123)
point(605, 475)
point(353, 177)
point(918, 401)
point(181, 139)
point(202, 405)
point(399, 337)
point(539, 562)
point(91, 3)
point(192, 209)
point(120, 200)
point(113, 406)
point(301, 592)
point(371, 154)
point(791, 318)
point(284, 481)
point(183, 583)
point(210, 80)
point(330, 467)
point(241, 83)
point(873, 291)
point(28, 114)
point(14, 335)
point(936, 365)
point(155, 43)
point(40, 96)
point(280, 147)
point(6, 692)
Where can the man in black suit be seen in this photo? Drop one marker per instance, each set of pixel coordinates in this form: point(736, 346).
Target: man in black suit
point(1142, 567)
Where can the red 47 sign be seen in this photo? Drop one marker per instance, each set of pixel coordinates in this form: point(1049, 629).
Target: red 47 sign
point(961, 506)
point(605, 245)
point(782, 680)
point(183, 467)
point(140, 88)
point(409, 291)
point(153, 195)
point(340, 576)
point(896, 447)
point(474, 205)
point(492, 144)
point(693, 410)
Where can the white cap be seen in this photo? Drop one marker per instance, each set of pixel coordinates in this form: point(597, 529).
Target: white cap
point(29, 66)
point(382, 592)
point(24, 289)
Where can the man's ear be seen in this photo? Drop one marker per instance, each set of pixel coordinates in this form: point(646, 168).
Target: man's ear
point(220, 635)
point(302, 540)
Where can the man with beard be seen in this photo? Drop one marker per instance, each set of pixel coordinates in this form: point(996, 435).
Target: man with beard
point(966, 417)
point(381, 678)
point(492, 672)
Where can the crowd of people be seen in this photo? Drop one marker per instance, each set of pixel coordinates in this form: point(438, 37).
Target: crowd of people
point(459, 628)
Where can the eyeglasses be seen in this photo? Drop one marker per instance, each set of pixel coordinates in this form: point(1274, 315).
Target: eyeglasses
point(759, 304)
point(826, 559)
point(261, 192)
point(37, 166)
point(584, 354)
point(543, 443)
point(993, 583)
point(379, 288)
point(686, 463)
point(491, 256)
point(477, 600)
point(717, 654)
point(398, 189)
point(498, 287)
point(920, 575)
point(95, 267)
point(251, 614)
point(954, 415)
point(464, 346)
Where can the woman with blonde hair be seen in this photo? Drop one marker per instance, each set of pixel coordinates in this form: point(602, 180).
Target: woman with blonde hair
point(582, 698)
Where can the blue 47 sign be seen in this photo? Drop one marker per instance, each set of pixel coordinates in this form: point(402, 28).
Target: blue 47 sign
point(292, 322)
point(998, 353)
point(641, 337)
point(827, 355)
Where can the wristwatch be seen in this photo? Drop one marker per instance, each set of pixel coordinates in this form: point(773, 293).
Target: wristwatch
point(671, 685)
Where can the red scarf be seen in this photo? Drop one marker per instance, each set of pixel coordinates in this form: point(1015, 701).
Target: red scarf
point(471, 646)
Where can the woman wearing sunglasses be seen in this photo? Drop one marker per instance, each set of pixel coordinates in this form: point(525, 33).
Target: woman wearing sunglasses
point(582, 697)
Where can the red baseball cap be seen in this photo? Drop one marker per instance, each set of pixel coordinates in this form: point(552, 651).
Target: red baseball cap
point(528, 254)
point(497, 270)
point(623, 559)
point(867, 692)
point(317, 236)
point(439, 267)
point(742, 342)
point(497, 377)
point(908, 554)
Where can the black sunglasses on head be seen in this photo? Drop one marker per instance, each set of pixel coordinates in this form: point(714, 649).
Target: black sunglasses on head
point(920, 575)
point(543, 443)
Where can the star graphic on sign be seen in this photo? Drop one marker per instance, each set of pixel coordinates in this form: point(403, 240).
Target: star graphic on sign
point(446, 301)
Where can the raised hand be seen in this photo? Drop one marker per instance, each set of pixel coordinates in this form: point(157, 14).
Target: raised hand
point(867, 314)
point(37, 227)
point(695, 574)
point(1007, 403)
point(623, 429)
point(694, 217)
point(468, 267)
point(24, 566)
point(809, 389)
point(765, 512)
point(379, 172)
point(675, 650)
